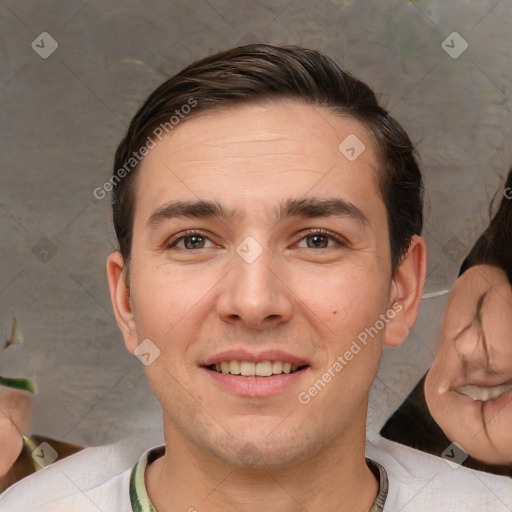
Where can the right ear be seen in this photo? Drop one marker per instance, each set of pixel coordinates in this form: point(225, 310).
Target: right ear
point(120, 297)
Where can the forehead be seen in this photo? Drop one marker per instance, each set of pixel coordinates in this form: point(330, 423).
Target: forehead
point(254, 152)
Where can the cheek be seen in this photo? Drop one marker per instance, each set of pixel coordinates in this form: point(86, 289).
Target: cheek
point(349, 302)
point(499, 337)
point(348, 316)
point(502, 433)
point(443, 371)
point(447, 361)
point(164, 296)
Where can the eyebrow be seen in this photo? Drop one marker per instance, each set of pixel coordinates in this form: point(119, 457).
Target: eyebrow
point(294, 207)
point(477, 317)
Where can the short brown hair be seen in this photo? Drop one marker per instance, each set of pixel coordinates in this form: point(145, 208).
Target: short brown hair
point(264, 72)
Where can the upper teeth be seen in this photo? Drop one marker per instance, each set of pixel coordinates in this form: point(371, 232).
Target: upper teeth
point(252, 369)
point(483, 394)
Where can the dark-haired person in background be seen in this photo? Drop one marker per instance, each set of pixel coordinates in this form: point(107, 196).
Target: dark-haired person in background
point(466, 396)
point(268, 211)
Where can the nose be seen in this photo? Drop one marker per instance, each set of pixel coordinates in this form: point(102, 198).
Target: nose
point(255, 294)
point(471, 346)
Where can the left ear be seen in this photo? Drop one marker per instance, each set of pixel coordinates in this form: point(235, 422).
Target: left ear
point(406, 291)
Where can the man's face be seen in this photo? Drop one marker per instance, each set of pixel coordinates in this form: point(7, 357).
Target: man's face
point(469, 387)
point(258, 287)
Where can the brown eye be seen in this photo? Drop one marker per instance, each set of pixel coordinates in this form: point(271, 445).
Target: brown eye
point(319, 239)
point(190, 241)
point(194, 242)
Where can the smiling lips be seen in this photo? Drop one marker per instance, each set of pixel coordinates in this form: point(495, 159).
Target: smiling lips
point(484, 393)
point(255, 369)
point(244, 363)
point(248, 374)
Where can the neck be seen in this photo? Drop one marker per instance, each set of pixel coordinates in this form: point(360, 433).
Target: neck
point(333, 478)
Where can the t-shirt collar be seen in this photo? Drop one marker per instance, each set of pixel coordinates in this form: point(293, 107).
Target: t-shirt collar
point(141, 503)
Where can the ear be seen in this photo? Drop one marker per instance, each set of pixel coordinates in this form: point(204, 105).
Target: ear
point(406, 291)
point(120, 297)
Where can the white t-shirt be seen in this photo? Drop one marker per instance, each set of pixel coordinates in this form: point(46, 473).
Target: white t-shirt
point(94, 479)
point(98, 479)
point(420, 482)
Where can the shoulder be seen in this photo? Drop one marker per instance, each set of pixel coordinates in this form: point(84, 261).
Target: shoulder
point(422, 482)
point(91, 480)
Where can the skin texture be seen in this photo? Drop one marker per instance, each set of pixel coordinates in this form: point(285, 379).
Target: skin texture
point(15, 416)
point(308, 301)
point(475, 349)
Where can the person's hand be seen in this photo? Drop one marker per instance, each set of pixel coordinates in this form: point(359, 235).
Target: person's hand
point(15, 419)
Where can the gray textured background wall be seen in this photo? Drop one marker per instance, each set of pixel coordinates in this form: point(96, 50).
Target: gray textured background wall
point(63, 114)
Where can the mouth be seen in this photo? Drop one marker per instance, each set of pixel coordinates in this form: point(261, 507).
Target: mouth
point(484, 393)
point(263, 369)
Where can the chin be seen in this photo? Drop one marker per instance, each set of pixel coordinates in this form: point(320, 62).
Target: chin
point(257, 451)
point(487, 453)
